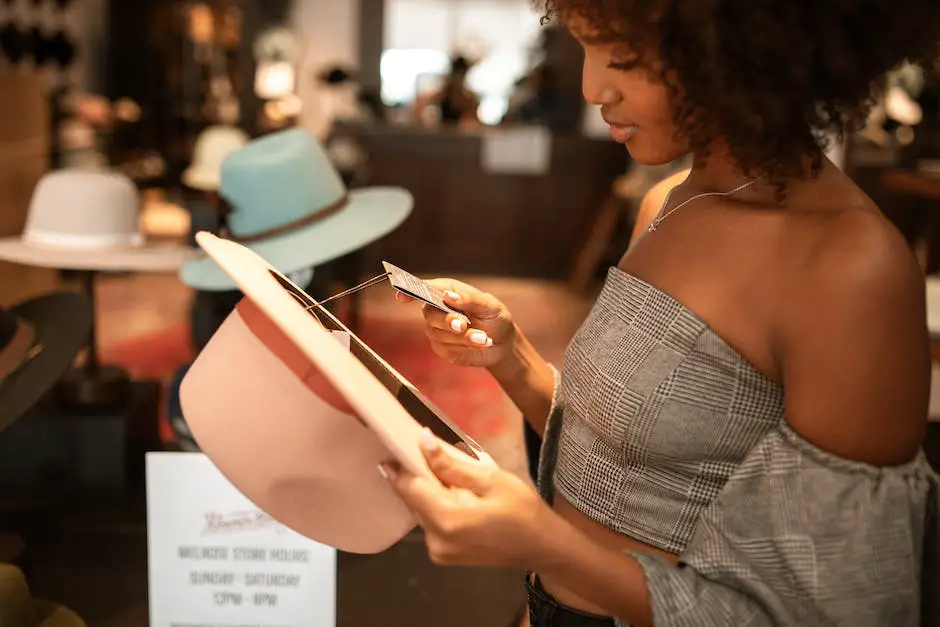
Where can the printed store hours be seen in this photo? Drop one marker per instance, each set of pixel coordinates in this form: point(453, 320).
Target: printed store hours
point(237, 599)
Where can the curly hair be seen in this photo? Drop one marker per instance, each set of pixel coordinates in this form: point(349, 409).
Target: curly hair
point(769, 77)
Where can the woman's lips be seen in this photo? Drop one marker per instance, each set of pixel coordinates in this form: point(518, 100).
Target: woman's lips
point(622, 133)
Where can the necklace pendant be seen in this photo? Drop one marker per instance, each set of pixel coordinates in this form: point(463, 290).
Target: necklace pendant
point(652, 226)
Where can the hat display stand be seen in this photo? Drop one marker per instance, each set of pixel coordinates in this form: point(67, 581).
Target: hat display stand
point(93, 386)
point(83, 447)
point(39, 340)
point(86, 443)
point(88, 222)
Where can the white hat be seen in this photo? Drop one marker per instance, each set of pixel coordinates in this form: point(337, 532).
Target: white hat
point(88, 220)
point(212, 147)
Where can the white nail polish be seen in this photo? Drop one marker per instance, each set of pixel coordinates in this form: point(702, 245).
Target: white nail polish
point(478, 337)
point(457, 325)
point(428, 440)
point(453, 295)
point(489, 342)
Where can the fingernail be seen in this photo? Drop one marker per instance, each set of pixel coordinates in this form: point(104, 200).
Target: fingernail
point(428, 440)
point(489, 342)
point(453, 295)
point(478, 337)
point(382, 471)
point(457, 325)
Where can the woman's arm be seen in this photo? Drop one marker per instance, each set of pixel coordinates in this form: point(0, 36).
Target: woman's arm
point(529, 381)
point(484, 335)
point(614, 581)
point(525, 376)
point(792, 540)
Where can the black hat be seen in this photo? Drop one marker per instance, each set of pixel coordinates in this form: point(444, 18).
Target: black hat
point(39, 340)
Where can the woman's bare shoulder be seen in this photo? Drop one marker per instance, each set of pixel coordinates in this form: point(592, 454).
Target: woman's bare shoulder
point(853, 338)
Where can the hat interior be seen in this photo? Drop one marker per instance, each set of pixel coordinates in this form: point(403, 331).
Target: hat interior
point(415, 403)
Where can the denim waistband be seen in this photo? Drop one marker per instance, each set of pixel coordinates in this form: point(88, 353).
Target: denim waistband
point(545, 611)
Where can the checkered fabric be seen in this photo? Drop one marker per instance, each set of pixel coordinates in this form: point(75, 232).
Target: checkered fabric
point(662, 431)
point(801, 537)
point(658, 411)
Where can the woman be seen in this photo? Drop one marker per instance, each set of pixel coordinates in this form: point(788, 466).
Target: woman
point(456, 103)
point(735, 436)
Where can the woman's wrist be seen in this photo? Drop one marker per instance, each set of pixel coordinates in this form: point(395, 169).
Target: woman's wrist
point(527, 379)
point(512, 367)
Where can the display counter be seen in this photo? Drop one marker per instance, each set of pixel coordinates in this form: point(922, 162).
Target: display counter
point(470, 219)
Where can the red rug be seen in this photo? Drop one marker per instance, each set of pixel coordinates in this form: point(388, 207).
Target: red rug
point(469, 396)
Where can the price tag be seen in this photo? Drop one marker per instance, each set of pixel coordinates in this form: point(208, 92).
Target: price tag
point(216, 560)
point(409, 284)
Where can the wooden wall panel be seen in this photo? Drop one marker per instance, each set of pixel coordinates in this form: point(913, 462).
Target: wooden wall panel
point(24, 150)
point(469, 221)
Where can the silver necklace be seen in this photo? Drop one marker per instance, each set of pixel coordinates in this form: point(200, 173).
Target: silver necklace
point(663, 214)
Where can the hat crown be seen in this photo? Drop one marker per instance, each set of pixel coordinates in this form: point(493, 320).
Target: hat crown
point(278, 180)
point(84, 208)
point(215, 143)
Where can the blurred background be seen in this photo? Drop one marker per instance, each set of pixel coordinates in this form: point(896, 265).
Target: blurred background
point(471, 105)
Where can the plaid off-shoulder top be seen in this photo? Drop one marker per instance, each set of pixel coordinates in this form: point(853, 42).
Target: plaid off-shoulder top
point(660, 430)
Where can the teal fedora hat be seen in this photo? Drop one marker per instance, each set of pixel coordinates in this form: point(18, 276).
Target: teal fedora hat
point(290, 206)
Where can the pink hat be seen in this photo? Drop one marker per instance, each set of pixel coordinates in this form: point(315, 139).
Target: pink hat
point(298, 420)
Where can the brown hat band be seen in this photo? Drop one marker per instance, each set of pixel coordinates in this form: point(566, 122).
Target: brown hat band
point(276, 341)
point(284, 229)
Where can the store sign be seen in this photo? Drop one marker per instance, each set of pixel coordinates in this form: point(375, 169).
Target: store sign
point(216, 560)
point(522, 150)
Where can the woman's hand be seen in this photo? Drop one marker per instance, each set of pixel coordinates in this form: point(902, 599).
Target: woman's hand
point(482, 337)
point(480, 516)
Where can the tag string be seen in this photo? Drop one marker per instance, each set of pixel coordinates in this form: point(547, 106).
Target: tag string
point(357, 288)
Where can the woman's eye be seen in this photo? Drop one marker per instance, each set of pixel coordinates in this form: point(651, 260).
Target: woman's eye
point(624, 65)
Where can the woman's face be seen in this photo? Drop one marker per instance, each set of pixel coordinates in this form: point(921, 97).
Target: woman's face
point(635, 105)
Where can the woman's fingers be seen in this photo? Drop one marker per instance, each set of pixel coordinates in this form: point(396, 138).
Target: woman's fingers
point(452, 286)
point(471, 338)
point(437, 319)
point(478, 338)
point(467, 299)
point(452, 334)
